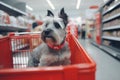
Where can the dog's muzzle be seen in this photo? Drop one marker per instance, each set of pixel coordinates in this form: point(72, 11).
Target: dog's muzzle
point(47, 34)
point(49, 39)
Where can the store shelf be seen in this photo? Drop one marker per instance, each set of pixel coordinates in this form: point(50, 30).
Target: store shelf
point(111, 8)
point(112, 17)
point(111, 51)
point(111, 38)
point(11, 10)
point(108, 49)
point(10, 28)
point(113, 47)
point(111, 28)
point(94, 43)
point(108, 2)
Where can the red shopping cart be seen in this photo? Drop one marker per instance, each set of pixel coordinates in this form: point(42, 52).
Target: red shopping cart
point(81, 68)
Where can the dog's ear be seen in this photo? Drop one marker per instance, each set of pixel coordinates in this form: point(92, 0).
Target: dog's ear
point(49, 13)
point(64, 16)
point(62, 11)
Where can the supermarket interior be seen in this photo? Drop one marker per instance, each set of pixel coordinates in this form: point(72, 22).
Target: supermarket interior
point(60, 39)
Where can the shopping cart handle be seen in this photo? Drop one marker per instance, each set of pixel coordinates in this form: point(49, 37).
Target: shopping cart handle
point(20, 33)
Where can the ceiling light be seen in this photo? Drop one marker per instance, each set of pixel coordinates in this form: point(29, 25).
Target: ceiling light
point(116, 0)
point(78, 4)
point(29, 8)
point(105, 1)
point(50, 4)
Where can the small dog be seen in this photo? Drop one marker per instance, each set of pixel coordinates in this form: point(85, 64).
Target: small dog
point(54, 50)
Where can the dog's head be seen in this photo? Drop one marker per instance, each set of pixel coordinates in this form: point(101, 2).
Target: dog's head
point(53, 30)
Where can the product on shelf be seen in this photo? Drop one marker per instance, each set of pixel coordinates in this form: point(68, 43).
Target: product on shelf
point(112, 13)
point(21, 21)
point(106, 7)
point(1, 16)
point(106, 42)
point(107, 33)
point(114, 33)
point(118, 33)
point(13, 21)
point(112, 23)
point(4, 18)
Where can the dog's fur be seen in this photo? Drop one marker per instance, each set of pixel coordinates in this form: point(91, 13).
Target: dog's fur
point(53, 34)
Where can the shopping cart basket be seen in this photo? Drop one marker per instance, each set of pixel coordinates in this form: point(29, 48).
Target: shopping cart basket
point(81, 68)
point(22, 45)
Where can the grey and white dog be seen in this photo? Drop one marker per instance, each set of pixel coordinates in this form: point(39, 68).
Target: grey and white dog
point(54, 50)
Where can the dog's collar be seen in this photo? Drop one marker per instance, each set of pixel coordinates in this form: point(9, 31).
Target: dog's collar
point(57, 47)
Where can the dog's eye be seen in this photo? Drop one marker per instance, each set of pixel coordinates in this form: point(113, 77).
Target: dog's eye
point(57, 25)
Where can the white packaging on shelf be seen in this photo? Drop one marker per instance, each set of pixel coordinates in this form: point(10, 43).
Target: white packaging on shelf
point(4, 18)
point(1, 17)
point(21, 21)
point(13, 21)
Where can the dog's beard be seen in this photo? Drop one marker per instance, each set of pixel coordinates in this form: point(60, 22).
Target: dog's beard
point(50, 40)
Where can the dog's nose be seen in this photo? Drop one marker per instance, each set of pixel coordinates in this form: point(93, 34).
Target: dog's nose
point(47, 31)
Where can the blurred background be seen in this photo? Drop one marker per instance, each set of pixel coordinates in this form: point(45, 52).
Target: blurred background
point(97, 22)
point(76, 9)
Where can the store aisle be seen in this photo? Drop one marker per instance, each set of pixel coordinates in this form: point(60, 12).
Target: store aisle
point(108, 68)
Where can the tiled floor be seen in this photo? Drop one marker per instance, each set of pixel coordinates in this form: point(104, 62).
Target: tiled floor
point(108, 68)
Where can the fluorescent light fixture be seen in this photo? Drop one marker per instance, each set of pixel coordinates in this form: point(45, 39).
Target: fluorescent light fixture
point(29, 8)
point(116, 0)
point(50, 4)
point(105, 1)
point(78, 4)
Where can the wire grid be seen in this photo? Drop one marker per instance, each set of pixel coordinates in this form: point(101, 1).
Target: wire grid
point(22, 47)
point(20, 59)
